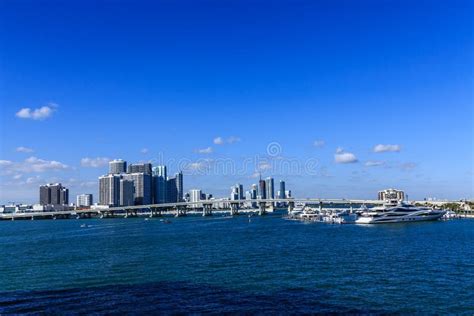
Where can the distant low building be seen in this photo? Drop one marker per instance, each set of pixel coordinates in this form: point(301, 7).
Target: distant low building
point(391, 194)
point(84, 200)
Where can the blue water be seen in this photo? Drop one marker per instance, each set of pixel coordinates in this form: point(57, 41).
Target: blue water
point(231, 265)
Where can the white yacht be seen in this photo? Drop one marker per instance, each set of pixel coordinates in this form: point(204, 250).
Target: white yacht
point(395, 212)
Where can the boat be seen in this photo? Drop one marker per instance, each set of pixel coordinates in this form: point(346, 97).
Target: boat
point(398, 212)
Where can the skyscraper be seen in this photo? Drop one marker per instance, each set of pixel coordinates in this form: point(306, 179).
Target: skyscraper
point(109, 190)
point(270, 188)
point(140, 167)
point(282, 189)
point(179, 187)
point(54, 194)
point(234, 193)
point(262, 189)
point(117, 166)
point(253, 194)
point(127, 192)
point(142, 187)
point(45, 195)
point(159, 184)
point(171, 190)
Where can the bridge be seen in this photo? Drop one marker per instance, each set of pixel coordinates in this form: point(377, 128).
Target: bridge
point(204, 207)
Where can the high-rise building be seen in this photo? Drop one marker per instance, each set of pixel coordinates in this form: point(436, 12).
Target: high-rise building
point(84, 200)
point(45, 195)
point(234, 193)
point(254, 191)
point(127, 192)
point(281, 194)
point(142, 187)
point(195, 195)
point(159, 184)
point(140, 167)
point(109, 190)
point(262, 189)
point(54, 194)
point(270, 188)
point(117, 166)
point(171, 190)
point(179, 187)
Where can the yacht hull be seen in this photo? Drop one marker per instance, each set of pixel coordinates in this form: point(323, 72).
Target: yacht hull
point(399, 219)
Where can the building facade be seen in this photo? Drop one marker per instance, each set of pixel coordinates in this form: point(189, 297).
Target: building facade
point(270, 185)
point(159, 184)
point(84, 200)
point(53, 194)
point(142, 187)
point(117, 166)
point(109, 190)
point(140, 167)
point(391, 194)
point(262, 192)
point(127, 192)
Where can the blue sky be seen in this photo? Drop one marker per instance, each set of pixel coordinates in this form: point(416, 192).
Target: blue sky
point(322, 82)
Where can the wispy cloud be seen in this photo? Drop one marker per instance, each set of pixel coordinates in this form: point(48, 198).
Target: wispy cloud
point(344, 157)
point(408, 166)
point(380, 148)
point(207, 150)
point(31, 164)
point(219, 141)
point(144, 151)
point(319, 143)
point(22, 149)
point(41, 113)
point(230, 140)
point(94, 162)
point(374, 163)
point(233, 139)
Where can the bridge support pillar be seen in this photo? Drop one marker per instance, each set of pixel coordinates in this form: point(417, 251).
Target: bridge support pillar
point(207, 209)
point(180, 212)
point(291, 206)
point(234, 208)
point(262, 208)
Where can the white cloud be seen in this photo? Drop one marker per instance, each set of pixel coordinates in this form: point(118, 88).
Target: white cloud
point(374, 163)
point(94, 162)
point(407, 166)
point(219, 141)
point(264, 166)
point(39, 165)
point(344, 157)
point(380, 148)
point(255, 175)
point(230, 140)
point(5, 163)
point(31, 164)
point(37, 114)
point(22, 149)
point(207, 150)
point(233, 139)
point(17, 176)
point(319, 143)
point(144, 151)
point(33, 180)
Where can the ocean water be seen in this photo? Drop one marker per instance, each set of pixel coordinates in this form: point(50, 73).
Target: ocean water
point(233, 265)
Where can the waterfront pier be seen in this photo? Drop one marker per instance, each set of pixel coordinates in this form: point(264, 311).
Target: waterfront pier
point(206, 208)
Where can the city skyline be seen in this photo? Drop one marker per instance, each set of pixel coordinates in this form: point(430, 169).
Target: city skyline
point(355, 108)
